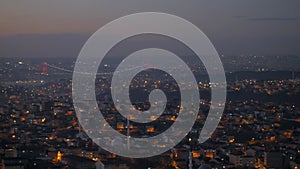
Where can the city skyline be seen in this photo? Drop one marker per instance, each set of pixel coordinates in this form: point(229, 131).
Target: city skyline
point(137, 84)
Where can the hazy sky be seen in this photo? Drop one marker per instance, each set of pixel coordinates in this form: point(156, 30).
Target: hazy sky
point(39, 28)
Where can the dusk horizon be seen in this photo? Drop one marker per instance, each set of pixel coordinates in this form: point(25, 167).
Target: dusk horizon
point(137, 84)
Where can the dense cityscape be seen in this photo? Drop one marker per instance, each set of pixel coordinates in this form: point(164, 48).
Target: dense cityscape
point(260, 127)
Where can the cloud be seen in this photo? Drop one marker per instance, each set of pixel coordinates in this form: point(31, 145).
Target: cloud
point(272, 19)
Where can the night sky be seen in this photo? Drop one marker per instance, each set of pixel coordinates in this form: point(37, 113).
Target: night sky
point(59, 28)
